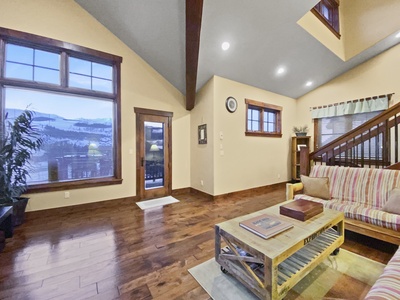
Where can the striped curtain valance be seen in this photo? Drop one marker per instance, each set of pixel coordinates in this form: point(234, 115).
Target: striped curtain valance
point(358, 106)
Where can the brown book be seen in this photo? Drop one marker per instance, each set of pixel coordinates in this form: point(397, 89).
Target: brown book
point(301, 209)
point(265, 225)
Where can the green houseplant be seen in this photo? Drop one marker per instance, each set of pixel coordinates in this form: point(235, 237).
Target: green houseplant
point(18, 141)
point(300, 130)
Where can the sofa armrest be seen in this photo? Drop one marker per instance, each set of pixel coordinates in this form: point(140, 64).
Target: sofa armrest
point(291, 188)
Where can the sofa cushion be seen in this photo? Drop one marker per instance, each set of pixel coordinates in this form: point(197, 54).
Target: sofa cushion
point(362, 185)
point(362, 212)
point(316, 187)
point(393, 204)
point(387, 287)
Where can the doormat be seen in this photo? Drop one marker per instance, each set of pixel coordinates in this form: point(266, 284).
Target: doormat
point(345, 276)
point(156, 202)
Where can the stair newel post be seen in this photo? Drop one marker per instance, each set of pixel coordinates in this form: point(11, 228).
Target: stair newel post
point(304, 161)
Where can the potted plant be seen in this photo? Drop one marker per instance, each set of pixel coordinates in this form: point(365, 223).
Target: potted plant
point(18, 141)
point(300, 130)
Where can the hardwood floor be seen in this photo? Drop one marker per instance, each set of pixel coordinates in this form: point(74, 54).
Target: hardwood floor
point(113, 249)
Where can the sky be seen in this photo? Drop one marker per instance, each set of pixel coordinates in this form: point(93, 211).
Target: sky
point(66, 106)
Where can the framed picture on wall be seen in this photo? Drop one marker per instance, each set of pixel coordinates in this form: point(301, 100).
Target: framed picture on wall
point(202, 134)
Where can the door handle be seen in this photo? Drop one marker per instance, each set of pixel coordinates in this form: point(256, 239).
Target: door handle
point(142, 161)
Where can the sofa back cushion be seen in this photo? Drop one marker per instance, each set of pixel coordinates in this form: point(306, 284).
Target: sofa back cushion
point(362, 185)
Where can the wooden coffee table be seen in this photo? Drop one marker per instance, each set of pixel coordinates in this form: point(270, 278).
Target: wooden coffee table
point(271, 267)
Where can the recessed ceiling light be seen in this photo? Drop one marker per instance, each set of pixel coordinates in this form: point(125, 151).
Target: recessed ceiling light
point(225, 46)
point(398, 35)
point(309, 83)
point(280, 71)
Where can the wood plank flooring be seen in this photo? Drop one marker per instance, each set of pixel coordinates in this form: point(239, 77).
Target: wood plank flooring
point(114, 250)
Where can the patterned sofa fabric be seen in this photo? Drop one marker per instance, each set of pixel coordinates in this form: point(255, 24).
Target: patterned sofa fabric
point(359, 193)
point(387, 287)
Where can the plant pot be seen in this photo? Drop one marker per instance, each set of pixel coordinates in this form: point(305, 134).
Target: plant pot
point(19, 208)
point(301, 133)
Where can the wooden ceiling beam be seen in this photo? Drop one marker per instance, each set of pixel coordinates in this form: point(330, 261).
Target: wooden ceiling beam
point(194, 11)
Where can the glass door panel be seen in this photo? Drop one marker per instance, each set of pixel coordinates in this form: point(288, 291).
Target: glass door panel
point(154, 155)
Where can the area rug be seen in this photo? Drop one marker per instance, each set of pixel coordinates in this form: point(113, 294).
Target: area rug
point(345, 276)
point(156, 202)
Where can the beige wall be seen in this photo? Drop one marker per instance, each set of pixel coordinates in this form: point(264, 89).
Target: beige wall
point(202, 158)
point(247, 161)
point(141, 86)
point(318, 30)
point(366, 22)
point(378, 76)
point(362, 25)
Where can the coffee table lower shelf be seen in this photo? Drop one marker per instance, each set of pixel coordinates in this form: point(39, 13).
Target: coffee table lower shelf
point(251, 269)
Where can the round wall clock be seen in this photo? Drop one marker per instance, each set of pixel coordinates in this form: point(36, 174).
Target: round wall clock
point(231, 104)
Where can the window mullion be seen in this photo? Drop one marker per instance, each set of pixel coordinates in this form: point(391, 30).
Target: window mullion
point(261, 120)
point(64, 69)
point(2, 57)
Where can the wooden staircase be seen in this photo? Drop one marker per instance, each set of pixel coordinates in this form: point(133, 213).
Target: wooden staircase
point(374, 144)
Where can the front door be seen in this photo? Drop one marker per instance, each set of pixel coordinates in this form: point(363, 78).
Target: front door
point(153, 153)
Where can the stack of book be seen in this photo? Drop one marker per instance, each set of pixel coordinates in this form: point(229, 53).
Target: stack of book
point(265, 225)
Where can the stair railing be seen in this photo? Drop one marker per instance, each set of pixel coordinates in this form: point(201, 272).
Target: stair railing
point(373, 144)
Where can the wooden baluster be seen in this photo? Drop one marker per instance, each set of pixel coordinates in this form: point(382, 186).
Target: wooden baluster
point(369, 148)
point(355, 147)
point(340, 155)
point(362, 150)
point(396, 139)
point(386, 145)
point(377, 147)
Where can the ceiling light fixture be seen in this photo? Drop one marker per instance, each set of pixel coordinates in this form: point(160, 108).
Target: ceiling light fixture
point(280, 70)
point(309, 83)
point(225, 46)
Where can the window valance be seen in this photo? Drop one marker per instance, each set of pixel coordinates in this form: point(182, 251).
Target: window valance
point(357, 106)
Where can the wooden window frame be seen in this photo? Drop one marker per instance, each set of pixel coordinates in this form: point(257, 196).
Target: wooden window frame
point(66, 50)
point(262, 107)
point(333, 7)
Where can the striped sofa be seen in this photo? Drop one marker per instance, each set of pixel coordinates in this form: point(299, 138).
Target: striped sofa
point(360, 193)
point(387, 287)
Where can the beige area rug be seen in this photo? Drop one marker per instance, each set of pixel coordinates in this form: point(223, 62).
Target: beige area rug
point(345, 276)
point(156, 202)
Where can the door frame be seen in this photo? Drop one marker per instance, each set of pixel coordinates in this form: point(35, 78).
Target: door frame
point(144, 111)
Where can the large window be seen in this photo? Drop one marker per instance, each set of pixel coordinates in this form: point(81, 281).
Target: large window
point(76, 100)
point(263, 119)
point(327, 11)
point(329, 129)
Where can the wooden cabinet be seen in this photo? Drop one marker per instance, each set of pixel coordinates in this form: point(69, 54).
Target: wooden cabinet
point(297, 142)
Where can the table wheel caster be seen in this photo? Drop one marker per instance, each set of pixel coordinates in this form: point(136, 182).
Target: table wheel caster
point(223, 270)
point(335, 252)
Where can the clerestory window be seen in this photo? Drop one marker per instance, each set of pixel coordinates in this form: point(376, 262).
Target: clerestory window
point(74, 94)
point(327, 11)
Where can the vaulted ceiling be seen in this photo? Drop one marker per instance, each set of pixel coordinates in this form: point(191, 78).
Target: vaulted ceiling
point(263, 35)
